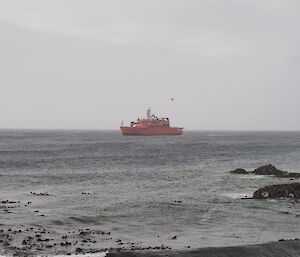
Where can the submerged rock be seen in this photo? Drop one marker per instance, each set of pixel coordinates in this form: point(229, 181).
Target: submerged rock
point(290, 175)
point(291, 190)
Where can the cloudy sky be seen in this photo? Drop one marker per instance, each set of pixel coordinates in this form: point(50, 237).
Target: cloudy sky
point(89, 64)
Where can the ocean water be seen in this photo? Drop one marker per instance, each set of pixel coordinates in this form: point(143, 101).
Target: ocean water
point(103, 194)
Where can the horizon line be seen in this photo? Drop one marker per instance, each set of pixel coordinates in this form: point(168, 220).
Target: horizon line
point(185, 130)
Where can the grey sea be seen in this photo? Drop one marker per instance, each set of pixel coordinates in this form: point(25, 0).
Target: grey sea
point(98, 193)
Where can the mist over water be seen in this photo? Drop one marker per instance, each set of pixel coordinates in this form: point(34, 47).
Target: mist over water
point(149, 189)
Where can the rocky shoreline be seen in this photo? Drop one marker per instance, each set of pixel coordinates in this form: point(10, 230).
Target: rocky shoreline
point(39, 240)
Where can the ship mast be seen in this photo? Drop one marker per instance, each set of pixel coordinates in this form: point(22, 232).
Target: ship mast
point(149, 116)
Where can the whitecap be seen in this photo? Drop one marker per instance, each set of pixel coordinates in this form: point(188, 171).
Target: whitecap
point(237, 195)
point(251, 176)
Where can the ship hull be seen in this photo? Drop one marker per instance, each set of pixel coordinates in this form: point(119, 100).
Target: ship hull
point(131, 131)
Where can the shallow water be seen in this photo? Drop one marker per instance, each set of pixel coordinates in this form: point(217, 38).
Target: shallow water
point(147, 189)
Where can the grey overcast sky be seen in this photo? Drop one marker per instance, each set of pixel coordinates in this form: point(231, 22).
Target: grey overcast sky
point(89, 64)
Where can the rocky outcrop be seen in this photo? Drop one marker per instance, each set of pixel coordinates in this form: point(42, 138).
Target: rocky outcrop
point(291, 190)
point(239, 171)
point(268, 170)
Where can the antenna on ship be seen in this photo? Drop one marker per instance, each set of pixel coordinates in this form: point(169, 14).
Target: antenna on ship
point(149, 113)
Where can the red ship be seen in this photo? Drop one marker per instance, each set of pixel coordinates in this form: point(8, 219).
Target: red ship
point(151, 126)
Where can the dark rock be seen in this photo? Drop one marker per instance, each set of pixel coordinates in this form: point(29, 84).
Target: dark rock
point(291, 190)
point(65, 243)
point(43, 240)
point(268, 170)
point(239, 171)
point(84, 233)
point(43, 194)
point(78, 250)
point(8, 202)
point(6, 243)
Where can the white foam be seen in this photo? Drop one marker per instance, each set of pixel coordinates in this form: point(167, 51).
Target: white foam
point(252, 176)
point(236, 195)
